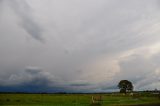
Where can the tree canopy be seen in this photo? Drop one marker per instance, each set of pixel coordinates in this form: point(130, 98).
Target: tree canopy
point(125, 86)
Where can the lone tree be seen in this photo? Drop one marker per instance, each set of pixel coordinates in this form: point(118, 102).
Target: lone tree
point(125, 86)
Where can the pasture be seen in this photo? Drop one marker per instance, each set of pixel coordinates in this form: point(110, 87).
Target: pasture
point(75, 100)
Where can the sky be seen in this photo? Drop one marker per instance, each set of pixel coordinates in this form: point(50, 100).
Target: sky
point(79, 45)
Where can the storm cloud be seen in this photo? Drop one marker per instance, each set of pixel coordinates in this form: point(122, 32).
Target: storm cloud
point(84, 46)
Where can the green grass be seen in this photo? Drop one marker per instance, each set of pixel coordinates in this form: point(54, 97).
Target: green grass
point(72, 100)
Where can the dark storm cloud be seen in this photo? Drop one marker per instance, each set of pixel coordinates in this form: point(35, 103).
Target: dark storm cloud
point(31, 75)
point(28, 22)
point(39, 77)
point(32, 79)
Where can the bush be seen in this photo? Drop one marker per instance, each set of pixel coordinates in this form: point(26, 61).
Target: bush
point(17, 100)
point(7, 100)
point(95, 104)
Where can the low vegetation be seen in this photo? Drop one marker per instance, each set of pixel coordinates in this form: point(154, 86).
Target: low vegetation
point(113, 99)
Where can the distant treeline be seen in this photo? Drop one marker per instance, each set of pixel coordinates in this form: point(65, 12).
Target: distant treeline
point(147, 91)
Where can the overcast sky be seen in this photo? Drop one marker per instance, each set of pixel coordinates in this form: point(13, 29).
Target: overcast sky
point(79, 45)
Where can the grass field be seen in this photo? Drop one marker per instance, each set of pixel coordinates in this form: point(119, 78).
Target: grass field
point(73, 100)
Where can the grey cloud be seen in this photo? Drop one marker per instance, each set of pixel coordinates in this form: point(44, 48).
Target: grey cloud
point(39, 77)
point(85, 84)
point(33, 79)
point(136, 66)
point(28, 23)
point(109, 88)
point(30, 75)
point(114, 29)
point(82, 43)
point(141, 69)
point(1, 1)
point(1, 4)
point(33, 70)
point(151, 82)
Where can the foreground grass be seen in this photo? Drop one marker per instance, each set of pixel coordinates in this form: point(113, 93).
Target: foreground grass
point(72, 100)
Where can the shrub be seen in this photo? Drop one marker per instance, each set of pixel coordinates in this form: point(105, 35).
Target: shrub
point(95, 104)
point(7, 100)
